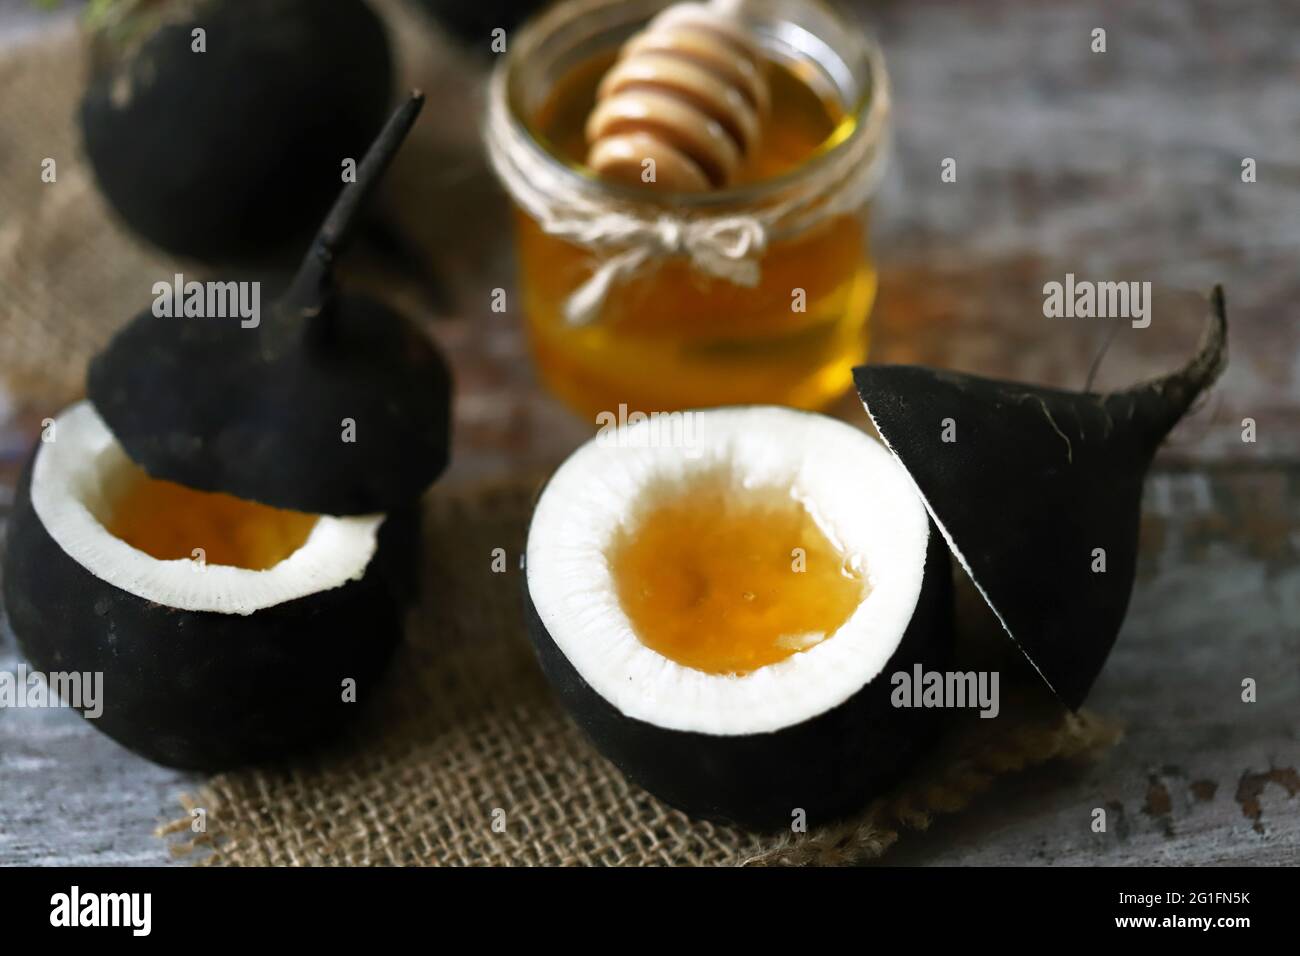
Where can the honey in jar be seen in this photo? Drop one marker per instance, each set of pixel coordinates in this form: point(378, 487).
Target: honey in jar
point(671, 336)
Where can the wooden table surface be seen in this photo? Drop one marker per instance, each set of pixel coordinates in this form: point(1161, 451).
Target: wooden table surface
point(1121, 165)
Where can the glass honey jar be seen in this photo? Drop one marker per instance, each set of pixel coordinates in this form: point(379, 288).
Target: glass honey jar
point(759, 291)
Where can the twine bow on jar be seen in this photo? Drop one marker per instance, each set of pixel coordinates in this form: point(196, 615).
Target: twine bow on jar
point(628, 236)
point(726, 248)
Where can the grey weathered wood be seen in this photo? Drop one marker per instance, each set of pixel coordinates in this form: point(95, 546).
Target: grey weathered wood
point(1215, 603)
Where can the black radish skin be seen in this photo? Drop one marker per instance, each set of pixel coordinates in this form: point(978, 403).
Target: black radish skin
point(199, 690)
point(230, 153)
point(201, 403)
point(828, 766)
point(472, 21)
point(1038, 488)
point(261, 413)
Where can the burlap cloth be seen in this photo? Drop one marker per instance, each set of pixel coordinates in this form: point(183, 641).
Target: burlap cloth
point(466, 758)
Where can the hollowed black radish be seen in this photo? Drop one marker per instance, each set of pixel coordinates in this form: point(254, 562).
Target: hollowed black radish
point(298, 449)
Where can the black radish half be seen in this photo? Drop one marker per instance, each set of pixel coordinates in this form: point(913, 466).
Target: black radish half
point(677, 595)
point(230, 151)
point(1038, 491)
point(227, 529)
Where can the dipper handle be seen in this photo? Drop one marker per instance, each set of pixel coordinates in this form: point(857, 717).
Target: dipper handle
point(689, 93)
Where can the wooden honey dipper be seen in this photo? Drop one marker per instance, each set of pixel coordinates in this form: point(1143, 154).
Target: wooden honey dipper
point(688, 92)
